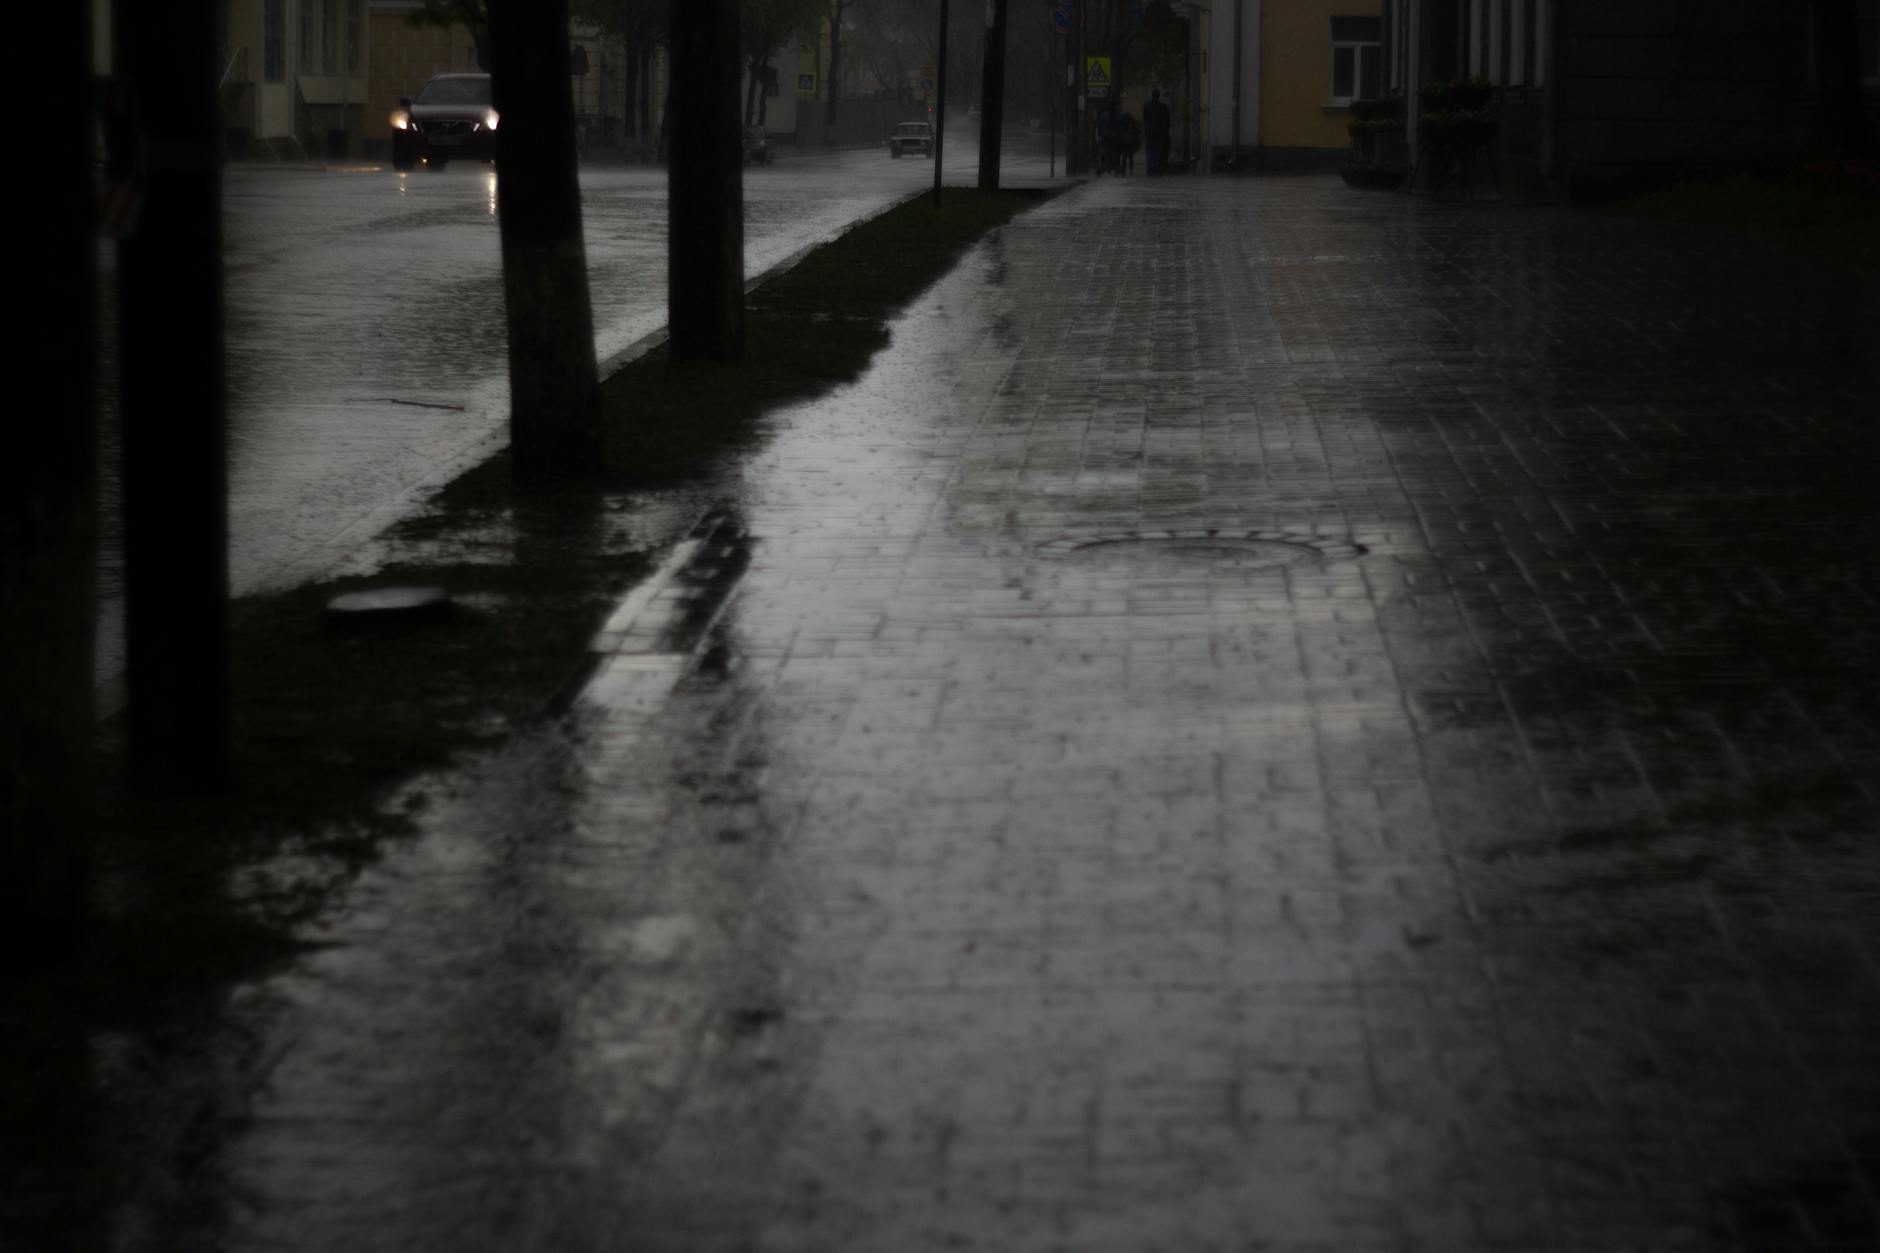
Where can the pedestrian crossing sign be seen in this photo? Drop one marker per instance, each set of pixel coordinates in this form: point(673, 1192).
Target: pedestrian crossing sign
point(1097, 77)
point(805, 84)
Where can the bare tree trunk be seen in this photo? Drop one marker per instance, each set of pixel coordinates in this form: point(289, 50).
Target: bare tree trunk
point(48, 537)
point(705, 287)
point(940, 110)
point(554, 395)
point(763, 98)
point(750, 95)
point(648, 148)
point(835, 66)
point(630, 131)
point(175, 497)
point(992, 105)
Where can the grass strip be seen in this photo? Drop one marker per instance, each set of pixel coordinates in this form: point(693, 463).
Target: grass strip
point(810, 328)
point(329, 720)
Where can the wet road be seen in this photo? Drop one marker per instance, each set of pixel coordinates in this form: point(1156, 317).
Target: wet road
point(1273, 717)
point(365, 339)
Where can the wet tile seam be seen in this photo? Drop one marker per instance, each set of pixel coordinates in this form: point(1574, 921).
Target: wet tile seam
point(673, 609)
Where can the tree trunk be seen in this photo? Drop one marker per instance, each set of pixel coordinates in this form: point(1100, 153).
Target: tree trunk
point(992, 103)
point(705, 286)
point(651, 144)
point(175, 486)
point(835, 68)
point(630, 94)
point(763, 98)
point(554, 395)
point(48, 538)
point(750, 95)
point(940, 110)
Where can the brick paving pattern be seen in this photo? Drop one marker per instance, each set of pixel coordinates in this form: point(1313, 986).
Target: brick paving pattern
point(1498, 875)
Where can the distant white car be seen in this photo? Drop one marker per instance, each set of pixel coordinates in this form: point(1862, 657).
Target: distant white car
point(911, 137)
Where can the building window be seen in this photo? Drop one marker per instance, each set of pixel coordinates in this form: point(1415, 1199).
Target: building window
point(355, 26)
point(329, 37)
point(305, 55)
point(1870, 42)
point(1356, 49)
point(274, 41)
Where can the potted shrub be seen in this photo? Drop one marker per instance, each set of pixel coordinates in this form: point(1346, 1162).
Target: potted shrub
point(1376, 130)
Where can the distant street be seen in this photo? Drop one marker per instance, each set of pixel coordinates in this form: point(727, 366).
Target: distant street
point(366, 350)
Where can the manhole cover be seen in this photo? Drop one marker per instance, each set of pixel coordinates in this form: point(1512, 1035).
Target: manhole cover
point(1215, 550)
point(378, 603)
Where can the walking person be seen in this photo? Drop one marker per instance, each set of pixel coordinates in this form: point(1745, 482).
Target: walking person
point(1132, 143)
point(1156, 125)
point(1109, 141)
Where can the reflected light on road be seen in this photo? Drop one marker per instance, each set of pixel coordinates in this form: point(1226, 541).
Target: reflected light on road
point(489, 180)
point(404, 182)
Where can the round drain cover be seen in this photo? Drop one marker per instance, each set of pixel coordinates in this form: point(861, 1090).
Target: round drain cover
point(388, 602)
point(1188, 550)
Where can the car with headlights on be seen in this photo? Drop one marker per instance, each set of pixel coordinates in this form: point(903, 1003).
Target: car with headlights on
point(451, 118)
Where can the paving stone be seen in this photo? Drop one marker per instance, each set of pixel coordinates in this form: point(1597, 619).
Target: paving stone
point(1507, 886)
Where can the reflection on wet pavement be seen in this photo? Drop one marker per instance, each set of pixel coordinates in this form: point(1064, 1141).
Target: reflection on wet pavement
point(366, 347)
point(1500, 878)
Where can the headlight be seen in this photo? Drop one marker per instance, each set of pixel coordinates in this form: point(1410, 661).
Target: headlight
point(489, 120)
point(401, 120)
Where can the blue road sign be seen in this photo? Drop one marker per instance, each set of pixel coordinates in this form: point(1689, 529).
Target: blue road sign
point(1061, 17)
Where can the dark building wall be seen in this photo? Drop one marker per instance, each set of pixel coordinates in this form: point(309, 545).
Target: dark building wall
point(1646, 84)
point(1523, 145)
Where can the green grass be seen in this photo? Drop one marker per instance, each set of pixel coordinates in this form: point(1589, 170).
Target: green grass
point(1803, 214)
point(329, 721)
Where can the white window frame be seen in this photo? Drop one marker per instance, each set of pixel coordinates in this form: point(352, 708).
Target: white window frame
point(1359, 55)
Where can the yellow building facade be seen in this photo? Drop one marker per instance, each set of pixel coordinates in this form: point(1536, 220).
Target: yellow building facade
point(1285, 74)
point(1316, 56)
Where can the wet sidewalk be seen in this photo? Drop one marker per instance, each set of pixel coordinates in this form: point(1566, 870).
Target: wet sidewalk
point(1274, 717)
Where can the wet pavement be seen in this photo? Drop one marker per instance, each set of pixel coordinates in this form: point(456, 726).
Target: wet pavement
point(366, 348)
point(1274, 717)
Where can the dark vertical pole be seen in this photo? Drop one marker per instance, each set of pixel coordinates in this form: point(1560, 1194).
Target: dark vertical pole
point(48, 505)
point(705, 267)
point(1240, 55)
point(1078, 161)
point(992, 112)
point(554, 395)
point(1068, 104)
point(1051, 168)
point(170, 362)
point(940, 108)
